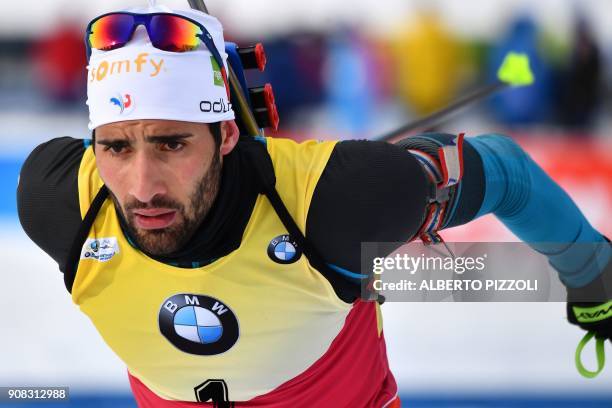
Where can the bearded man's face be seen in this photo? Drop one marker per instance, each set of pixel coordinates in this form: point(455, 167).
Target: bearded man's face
point(163, 177)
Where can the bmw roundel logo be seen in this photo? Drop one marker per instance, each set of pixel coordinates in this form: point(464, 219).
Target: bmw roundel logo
point(198, 324)
point(284, 250)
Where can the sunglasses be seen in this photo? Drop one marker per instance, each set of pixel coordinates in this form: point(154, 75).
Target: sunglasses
point(167, 32)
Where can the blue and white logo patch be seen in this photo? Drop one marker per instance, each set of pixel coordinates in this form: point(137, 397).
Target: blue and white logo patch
point(100, 249)
point(284, 250)
point(198, 324)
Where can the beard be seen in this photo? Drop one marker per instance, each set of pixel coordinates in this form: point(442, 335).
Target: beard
point(165, 241)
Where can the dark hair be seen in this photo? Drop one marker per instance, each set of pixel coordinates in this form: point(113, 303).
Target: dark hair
point(215, 130)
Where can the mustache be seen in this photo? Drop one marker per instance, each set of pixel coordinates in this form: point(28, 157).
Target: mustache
point(155, 202)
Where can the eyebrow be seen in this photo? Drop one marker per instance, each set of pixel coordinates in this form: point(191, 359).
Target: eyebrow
point(149, 139)
point(168, 138)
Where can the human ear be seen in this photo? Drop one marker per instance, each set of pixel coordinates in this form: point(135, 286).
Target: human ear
point(229, 136)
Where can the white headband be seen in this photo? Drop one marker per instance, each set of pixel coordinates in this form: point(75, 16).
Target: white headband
point(139, 81)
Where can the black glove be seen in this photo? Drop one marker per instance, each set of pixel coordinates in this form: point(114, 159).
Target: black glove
point(590, 307)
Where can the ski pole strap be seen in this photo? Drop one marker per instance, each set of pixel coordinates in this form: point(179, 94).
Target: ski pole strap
point(599, 352)
point(451, 161)
point(442, 161)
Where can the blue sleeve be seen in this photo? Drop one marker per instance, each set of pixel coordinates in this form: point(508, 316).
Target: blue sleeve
point(537, 210)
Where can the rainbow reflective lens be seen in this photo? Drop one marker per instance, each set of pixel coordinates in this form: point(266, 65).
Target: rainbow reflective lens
point(168, 32)
point(172, 33)
point(110, 32)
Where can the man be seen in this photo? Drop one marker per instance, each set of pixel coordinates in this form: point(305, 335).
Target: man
point(224, 268)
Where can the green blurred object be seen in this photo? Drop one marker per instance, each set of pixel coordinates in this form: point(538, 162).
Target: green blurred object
point(515, 70)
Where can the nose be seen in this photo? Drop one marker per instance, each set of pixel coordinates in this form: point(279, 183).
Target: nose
point(146, 180)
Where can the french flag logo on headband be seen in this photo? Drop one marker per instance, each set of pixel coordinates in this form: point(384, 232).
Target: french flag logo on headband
point(124, 103)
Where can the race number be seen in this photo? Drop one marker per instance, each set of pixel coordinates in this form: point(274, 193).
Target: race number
point(215, 391)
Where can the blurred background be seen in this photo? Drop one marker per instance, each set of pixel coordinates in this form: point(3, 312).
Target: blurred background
point(341, 70)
